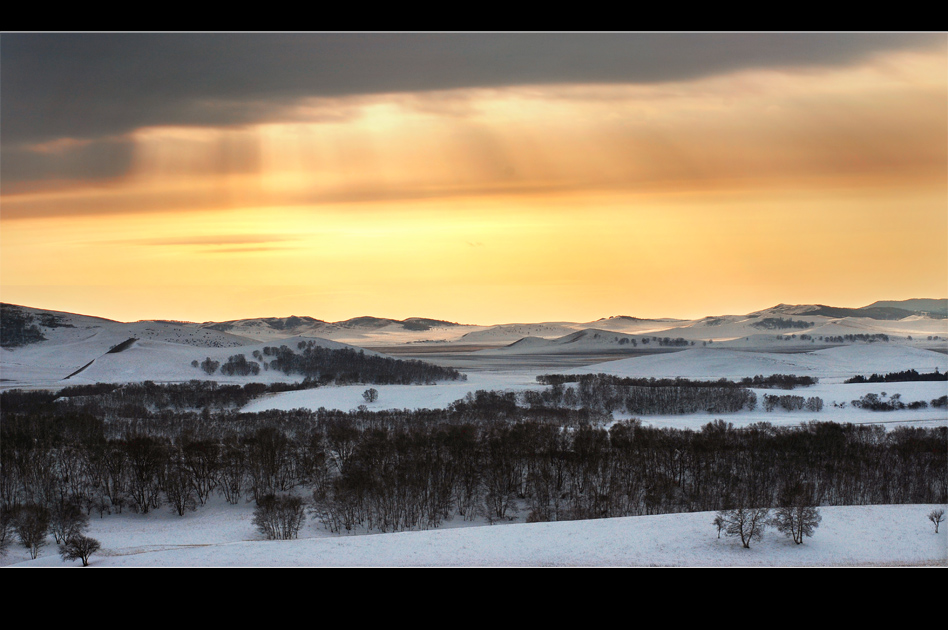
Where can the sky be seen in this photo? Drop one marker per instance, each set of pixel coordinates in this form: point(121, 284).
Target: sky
point(476, 178)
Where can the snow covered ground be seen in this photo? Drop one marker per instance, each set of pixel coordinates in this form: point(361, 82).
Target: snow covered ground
point(163, 351)
point(438, 396)
point(832, 366)
point(223, 536)
point(829, 364)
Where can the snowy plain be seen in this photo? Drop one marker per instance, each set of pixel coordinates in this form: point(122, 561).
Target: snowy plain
point(831, 366)
point(223, 535)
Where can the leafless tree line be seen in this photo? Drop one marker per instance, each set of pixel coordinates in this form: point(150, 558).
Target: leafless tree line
point(483, 457)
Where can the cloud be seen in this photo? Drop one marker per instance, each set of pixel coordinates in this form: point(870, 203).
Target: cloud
point(243, 250)
point(756, 128)
point(64, 159)
point(213, 239)
point(92, 85)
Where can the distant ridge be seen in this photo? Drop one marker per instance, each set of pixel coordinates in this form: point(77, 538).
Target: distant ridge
point(295, 321)
point(635, 319)
point(412, 323)
point(883, 310)
point(277, 323)
point(639, 319)
point(25, 326)
point(919, 305)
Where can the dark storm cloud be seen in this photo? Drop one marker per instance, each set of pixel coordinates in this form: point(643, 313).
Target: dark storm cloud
point(83, 160)
point(95, 85)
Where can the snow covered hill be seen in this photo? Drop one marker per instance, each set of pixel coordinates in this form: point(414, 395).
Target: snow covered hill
point(90, 361)
point(882, 535)
point(49, 345)
point(224, 535)
point(830, 363)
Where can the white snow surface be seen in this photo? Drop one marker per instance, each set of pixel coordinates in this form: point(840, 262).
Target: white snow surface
point(438, 396)
point(831, 366)
point(224, 536)
point(42, 365)
point(832, 363)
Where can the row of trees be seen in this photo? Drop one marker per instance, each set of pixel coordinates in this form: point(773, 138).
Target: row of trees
point(796, 517)
point(793, 403)
point(774, 381)
point(142, 471)
point(605, 393)
point(858, 337)
point(136, 400)
point(899, 377)
point(484, 456)
point(348, 365)
point(323, 366)
point(492, 454)
point(779, 381)
point(677, 342)
point(779, 323)
point(133, 400)
point(640, 396)
point(238, 365)
point(877, 402)
point(32, 524)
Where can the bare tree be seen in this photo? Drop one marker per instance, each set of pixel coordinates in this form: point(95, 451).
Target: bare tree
point(371, 395)
point(797, 515)
point(279, 517)
point(67, 519)
point(936, 517)
point(797, 521)
point(7, 529)
point(32, 525)
point(79, 548)
point(179, 489)
point(748, 523)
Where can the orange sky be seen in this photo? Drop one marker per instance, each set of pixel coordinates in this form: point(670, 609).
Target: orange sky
point(724, 194)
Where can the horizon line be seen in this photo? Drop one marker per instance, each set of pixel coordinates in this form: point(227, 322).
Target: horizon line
point(456, 323)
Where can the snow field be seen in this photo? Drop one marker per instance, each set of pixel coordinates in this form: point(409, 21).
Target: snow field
point(223, 536)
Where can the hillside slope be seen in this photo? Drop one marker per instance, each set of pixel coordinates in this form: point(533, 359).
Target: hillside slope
point(884, 535)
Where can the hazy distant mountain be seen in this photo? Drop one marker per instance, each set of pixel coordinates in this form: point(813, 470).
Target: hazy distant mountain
point(883, 310)
point(412, 323)
point(365, 330)
point(23, 326)
point(919, 305)
point(636, 319)
point(870, 312)
point(295, 323)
